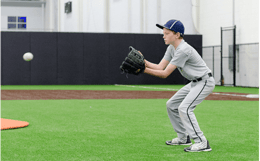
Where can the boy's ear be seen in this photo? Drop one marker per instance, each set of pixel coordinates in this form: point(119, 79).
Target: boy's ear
point(179, 35)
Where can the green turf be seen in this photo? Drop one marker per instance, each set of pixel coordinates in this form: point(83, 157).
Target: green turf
point(123, 87)
point(124, 130)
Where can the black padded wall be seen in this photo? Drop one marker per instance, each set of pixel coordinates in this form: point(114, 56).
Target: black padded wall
point(70, 58)
point(96, 58)
point(81, 58)
point(14, 69)
point(119, 48)
point(44, 67)
point(1, 59)
point(153, 48)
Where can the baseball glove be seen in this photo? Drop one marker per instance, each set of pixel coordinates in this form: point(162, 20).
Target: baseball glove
point(133, 63)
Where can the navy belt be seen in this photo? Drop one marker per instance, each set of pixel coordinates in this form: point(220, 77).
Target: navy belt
point(199, 79)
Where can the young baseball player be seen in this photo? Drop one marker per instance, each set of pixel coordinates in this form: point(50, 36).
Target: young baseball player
point(180, 107)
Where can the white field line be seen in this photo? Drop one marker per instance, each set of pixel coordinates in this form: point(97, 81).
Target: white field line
point(170, 89)
point(226, 94)
point(247, 95)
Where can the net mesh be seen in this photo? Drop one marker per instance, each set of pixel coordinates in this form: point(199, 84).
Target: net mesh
point(247, 61)
point(227, 56)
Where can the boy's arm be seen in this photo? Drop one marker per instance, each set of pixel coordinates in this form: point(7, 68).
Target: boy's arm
point(162, 65)
point(161, 73)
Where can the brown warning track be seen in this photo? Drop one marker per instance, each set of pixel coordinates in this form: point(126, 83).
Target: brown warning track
point(105, 94)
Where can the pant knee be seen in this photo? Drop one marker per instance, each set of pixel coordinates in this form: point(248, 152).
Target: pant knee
point(168, 104)
point(182, 110)
point(172, 106)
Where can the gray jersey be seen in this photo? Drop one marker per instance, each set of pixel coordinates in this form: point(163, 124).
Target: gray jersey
point(188, 61)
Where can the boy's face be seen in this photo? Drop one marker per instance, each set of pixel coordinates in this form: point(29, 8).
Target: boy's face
point(169, 36)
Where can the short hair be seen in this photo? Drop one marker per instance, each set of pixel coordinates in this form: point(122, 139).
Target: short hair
point(181, 36)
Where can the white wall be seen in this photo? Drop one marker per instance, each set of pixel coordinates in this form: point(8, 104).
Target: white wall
point(0, 16)
point(117, 16)
point(124, 16)
point(247, 21)
point(33, 14)
point(51, 15)
point(69, 22)
point(215, 14)
point(94, 16)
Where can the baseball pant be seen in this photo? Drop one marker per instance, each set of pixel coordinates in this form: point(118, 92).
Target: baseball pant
point(180, 108)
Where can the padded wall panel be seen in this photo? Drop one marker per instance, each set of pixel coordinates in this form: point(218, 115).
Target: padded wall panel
point(1, 59)
point(44, 65)
point(150, 46)
point(15, 71)
point(96, 58)
point(70, 58)
point(81, 58)
point(119, 48)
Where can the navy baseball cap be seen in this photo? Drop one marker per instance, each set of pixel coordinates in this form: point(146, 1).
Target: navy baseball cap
point(174, 25)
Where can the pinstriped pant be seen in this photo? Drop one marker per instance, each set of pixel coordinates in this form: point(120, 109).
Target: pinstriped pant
point(180, 108)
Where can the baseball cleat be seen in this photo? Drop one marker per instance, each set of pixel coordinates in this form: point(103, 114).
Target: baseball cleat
point(177, 141)
point(198, 147)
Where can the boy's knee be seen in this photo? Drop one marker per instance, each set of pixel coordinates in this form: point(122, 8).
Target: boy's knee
point(168, 104)
point(182, 110)
point(171, 105)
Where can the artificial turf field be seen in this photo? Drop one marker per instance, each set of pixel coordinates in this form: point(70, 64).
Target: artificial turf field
point(128, 129)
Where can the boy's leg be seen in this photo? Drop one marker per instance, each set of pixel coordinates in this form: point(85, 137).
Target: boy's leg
point(172, 108)
point(198, 92)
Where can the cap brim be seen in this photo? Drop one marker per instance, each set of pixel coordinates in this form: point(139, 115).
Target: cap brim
point(160, 26)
